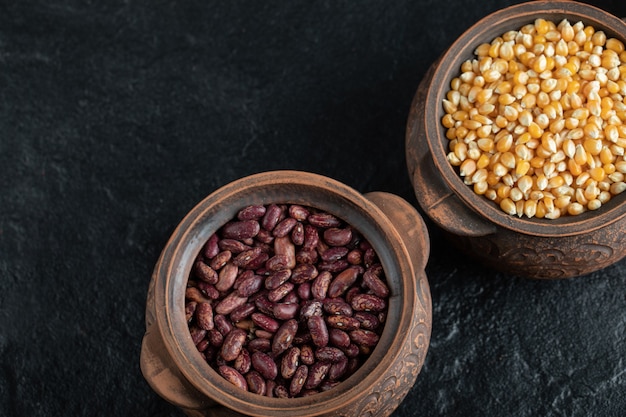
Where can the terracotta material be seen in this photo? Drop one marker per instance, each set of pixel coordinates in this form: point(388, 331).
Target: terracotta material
point(537, 248)
point(175, 370)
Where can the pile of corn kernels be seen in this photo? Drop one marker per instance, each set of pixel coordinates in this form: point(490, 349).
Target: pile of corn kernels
point(536, 122)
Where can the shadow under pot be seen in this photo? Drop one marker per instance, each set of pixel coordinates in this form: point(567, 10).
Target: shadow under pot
point(568, 246)
point(176, 370)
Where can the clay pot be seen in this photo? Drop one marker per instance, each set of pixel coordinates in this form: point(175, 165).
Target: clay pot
point(537, 248)
point(177, 372)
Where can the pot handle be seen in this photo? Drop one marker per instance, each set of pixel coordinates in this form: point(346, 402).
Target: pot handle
point(159, 369)
point(408, 222)
point(443, 206)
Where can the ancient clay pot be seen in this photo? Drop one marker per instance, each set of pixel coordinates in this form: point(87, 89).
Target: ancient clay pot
point(175, 370)
point(538, 248)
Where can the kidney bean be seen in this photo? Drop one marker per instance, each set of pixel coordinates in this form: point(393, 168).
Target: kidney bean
point(250, 284)
point(307, 355)
point(284, 246)
point(338, 369)
point(319, 331)
point(226, 278)
point(333, 266)
point(233, 343)
point(194, 294)
point(336, 306)
point(215, 337)
point(307, 256)
point(233, 246)
point(204, 316)
point(279, 293)
point(368, 321)
point(222, 324)
point(190, 310)
point(264, 305)
point(334, 253)
point(280, 391)
point(197, 334)
point(260, 344)
point(242, 229)
point(342, 322)
point(323, 220)
point(263, 334)
point(290, 362)
point(284, 227)
point(220, 259)
point(264, 364)
point(298, 212)
point(375, 284)
point(297, 234)
point(277, 278)
point(329, 354)
point(311, 237)
point(368, 302)
point(232, 376)
point(269, 388)
point(343, 281)
point(317, 373)
point(303, 291)
point(271, 217)
point(291, 297)
point(369, 257)
point(265, 322)
point(251, 212)
point(311, 308)
point(338, 338)
point(298, 380)
point(364, 337)
point(256, 383)
point(203, 345)
point(265, 237)
point(319, 288)
point(230, 303)
point(285, 311)
point(247, 256)
point(335, 236)
point(210, 248)
point(204, 272)
point(302, 273)
point(354, 257)
point(284, 337)
point(242, 362)
point(277, 262)
point(208, 290)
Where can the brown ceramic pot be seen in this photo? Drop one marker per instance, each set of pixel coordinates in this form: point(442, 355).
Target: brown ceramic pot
point(538, 248)
point(175, 370)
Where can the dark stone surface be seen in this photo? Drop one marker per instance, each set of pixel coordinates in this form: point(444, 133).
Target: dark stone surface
point(117, 117)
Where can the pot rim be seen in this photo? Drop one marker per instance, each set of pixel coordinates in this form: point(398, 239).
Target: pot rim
point(448, 66)
point(217, 208)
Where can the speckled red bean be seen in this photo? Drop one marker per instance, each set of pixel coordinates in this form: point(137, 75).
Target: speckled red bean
point(298, 380)
point(260, 344)
point(307, 355)
point(243, 229)
point(277, 278)
point(208, 290)
point(311, 308)
point(338, 369)
point(303, 291)
point(204, 272)
point(323, 220)
point(284, 246)
point(297, 234)
point(243, 362)
point(264, 364)
point(265, 322)
point(375, 284)
point(229, 303)
point(204, 316)
point(256, 383)
point(290, 362)
point(338, 337)
point(311, 237)
point(281, 391)
point(232, 376)
point(336, 306)
point(250, 284)
point(233, 246)
point(252, 212)
point(317, 373)
point(335, 236)
point(333, 266)
point(307, 256)
point(279, 293)
point(319, 331)
point(190, 310)
point(354, 257)
point(364, 337)
point(264, 305)
point(343, 281)
point(285, 311)
point(194, 294)
point(342, 322)
point(329, 354)
point(284, 227)
point(233, 343)
point(298, 212)
point(334, 253)
point(220, 259)
point(197, 334)
point(222, 324)
point(302, 273)
point(284, 337)
point(210, 248)
point(245, 257)
point(277, 262)
point(226, 277)
point(271, 217)
point(215, 338)
point(368, 321)
point(368, 302)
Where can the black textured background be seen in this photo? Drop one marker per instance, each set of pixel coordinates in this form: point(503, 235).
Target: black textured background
point(117, 117)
